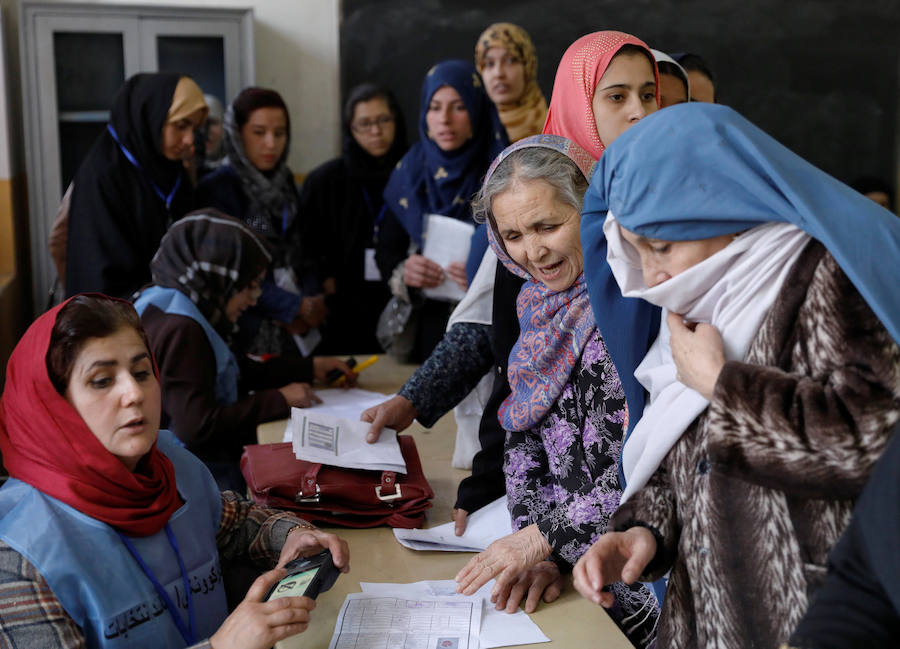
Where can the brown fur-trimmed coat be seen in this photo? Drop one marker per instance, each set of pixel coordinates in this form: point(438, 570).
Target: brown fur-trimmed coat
point(757, 490)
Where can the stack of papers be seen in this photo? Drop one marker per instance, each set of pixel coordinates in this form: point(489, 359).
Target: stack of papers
point(331, 433)
point(483, 527)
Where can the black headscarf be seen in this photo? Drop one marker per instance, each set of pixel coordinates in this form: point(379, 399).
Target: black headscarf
point(116, 216)
point(138, 115)
point(360, 164)
point(209, 257)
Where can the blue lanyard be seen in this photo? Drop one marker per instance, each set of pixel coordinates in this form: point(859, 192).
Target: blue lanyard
point(284, 219)
point(189, 635)
point(130, 156)
point(381, 212)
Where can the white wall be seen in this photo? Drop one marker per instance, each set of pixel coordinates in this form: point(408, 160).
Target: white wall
point(297, 47)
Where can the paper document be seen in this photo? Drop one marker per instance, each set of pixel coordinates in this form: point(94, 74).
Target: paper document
point(447, 240)
point(346, 403)
point(483, 527)
point(320, 437)
point(498, 628)
point(369, 621)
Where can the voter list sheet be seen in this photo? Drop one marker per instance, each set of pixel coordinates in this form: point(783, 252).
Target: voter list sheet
point(370, 621)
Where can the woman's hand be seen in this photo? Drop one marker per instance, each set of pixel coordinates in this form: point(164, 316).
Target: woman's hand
point(397, 413)
point(421, 272)
point(322, 365)
point(457, 272)
point(299, 395)
point(615, 556)
point(540, 580)
point(698, 352)
point(504, 560)
point(305, 543)
point(256, 624)
point(460, 518)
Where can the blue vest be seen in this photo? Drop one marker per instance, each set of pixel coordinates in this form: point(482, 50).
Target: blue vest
point(99, 583)
point(173, 301)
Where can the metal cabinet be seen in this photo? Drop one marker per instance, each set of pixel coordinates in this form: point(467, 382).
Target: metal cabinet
point(74, 58)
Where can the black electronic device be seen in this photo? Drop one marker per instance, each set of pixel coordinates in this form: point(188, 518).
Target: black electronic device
point(307, 576)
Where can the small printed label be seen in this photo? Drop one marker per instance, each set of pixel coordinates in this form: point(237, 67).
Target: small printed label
point(322, 436)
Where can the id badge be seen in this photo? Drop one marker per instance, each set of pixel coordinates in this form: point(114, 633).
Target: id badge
point(372, 274)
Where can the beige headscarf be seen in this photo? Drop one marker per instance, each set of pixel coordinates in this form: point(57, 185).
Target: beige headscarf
point(528, 115)
point(188, 98)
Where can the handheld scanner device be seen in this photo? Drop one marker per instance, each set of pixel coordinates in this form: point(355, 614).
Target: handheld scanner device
point(307, 576)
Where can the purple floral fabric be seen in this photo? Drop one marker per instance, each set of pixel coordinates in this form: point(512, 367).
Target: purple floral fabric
point(562, 474)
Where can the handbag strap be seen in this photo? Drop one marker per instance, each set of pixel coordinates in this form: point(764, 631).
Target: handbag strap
point(309, 483)
point(388, 483)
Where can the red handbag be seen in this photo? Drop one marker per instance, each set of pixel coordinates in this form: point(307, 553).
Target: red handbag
point(337, 495)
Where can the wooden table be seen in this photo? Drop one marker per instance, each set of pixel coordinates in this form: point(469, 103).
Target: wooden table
point(375, 555)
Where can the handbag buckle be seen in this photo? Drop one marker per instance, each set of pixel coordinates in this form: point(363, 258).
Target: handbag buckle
point(300, 498)
point(388, 498)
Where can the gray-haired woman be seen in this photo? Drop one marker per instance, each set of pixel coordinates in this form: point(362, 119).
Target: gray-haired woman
point(566, 416)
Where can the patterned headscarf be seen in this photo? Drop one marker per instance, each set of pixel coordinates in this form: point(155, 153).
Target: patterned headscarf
point(430, 180)
point(527, 116)
point(272, 195)
point(209, 256)
point(571, 111)
point(554, 325)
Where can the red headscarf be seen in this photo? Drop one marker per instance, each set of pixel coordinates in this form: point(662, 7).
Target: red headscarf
point(46, 443)
point(571, 112)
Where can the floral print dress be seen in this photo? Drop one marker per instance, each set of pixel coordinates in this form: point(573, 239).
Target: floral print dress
point(563, 476)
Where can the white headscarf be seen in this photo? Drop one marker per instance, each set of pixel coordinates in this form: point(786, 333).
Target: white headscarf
point(733, 290)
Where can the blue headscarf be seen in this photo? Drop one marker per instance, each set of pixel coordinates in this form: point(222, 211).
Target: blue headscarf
point(431, 181)
point(696, 171)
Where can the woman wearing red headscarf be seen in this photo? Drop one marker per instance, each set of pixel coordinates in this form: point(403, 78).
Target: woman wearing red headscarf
point(111, 534)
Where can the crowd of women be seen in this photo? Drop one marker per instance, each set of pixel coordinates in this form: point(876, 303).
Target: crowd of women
point(675, 356)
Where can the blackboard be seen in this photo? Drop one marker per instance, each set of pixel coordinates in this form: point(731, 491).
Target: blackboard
point(821, 76)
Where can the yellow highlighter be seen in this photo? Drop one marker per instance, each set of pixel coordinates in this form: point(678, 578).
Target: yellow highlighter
point(369, 362)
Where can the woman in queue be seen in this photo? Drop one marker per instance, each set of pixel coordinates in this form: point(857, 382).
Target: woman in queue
point(459, 135)
point(343, 204)
point(507, 61)
point(209, 269)
point(566, 416)
point(132, 185)
point(774, 381)
point(619, 71)
point(255, 184)
point(112, 534)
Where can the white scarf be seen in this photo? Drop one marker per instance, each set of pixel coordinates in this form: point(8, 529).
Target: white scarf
point(733, 290)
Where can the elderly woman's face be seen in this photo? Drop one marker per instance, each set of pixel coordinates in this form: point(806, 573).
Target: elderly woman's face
point(113, 388)
point(662, 260)
point(540, 232)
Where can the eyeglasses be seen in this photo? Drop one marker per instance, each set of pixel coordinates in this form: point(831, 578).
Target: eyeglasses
point(368, 124)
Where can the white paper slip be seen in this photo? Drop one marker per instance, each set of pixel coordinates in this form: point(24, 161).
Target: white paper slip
point(347, 403)
point(498, 628)
point(368, 621)
point(483, 527)
point(324, 438)
point(446, 240)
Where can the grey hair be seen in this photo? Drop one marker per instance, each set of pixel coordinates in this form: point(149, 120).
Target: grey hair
point(531, 163)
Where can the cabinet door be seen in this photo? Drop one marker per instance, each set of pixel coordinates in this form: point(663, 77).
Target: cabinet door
point(207, 50)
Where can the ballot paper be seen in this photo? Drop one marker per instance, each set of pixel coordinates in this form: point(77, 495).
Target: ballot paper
point(347, 403)
point(320, 437)
point(498, 628)
point(446, 240)
point(375, 620)
point(483, 527)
